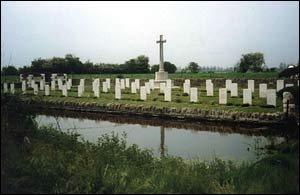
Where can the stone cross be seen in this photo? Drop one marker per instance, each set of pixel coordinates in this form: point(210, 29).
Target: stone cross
point(161, 53)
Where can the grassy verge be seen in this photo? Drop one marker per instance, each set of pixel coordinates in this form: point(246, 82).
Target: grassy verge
point(45, 160)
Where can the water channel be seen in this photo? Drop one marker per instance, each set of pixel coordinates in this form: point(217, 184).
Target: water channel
point(188, 140)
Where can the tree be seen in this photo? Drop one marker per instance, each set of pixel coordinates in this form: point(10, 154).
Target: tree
point(168, 66)
point(154, 68)
point(137, 65)
point(9, 70)
point(193, 67)
point(252, 62)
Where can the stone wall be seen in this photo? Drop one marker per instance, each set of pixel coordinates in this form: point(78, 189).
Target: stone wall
point(194, 114)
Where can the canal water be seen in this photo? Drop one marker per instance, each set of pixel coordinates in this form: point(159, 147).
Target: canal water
point(177, 138)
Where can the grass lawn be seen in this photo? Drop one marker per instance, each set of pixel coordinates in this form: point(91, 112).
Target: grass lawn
point(179, 100)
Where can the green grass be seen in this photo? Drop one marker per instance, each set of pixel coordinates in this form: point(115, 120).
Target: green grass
point(230, 75)
point(179, 100)
point(56, 162)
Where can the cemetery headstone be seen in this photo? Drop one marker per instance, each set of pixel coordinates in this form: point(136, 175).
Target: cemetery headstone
point(47, 90)
point(194, 94)
point(143, 93)
point(279, 85)
point(168, 94)
point(234, 90)
point(263, 90)
point(251, 85)
point(12, 88)
point(222, 96)
point(271, 97)
point(247, 96)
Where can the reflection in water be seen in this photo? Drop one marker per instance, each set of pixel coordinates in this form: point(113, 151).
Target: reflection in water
point(177, 138)
point(162, 141)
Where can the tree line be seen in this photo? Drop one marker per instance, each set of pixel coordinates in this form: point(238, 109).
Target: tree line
point(70, 64)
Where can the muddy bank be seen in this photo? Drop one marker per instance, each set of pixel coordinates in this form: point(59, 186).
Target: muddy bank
point(186, 114)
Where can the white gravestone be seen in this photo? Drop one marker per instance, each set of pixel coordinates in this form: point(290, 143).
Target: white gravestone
point(122, 83)
point(118, 91)
point(289, 85)
point(47, 90)
point(133, 87)
point(96, 91)
point(186, 88)
point(35, 89)
point(263, 90)
point(228, 84)
point(222, 96)
point(148, 90)
point(143, 93)
point(107, 80)
point(23, 86)
point(82, 84)
point(105, 87)
point(64, 90)
point(271, 97)
point(80, 90)
point(207, 83)
point(12, 88)
point(53, 85)
point(32, 84)
point(42, 84)
point(168, 94)
point(137, 81)
point(60, 84)
point(5, 87)
point(234, 89)
point(69, 84)
point(279, 85)
point(251, 85)
point(169, 83)
point(162, 87)
point(210, 89)
point(194, 94)
point(127, 82)
point(151, 82)
point(247, 96)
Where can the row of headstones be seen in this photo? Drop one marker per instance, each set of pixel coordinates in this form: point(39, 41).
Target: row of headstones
point(165, 88)
point(270, 94)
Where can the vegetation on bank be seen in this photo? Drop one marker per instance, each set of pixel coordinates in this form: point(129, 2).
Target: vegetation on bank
point(46, 160)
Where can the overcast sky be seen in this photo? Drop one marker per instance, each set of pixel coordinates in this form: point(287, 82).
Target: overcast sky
point(209, 33)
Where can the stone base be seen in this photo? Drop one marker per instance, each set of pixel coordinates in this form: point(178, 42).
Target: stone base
point(161, 76)
point(157, 84)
